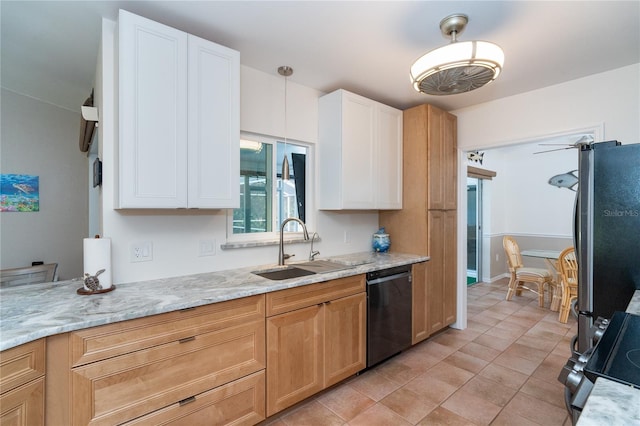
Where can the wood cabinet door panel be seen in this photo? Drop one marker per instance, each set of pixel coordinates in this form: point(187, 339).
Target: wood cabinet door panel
point(300, 297)
point(98, 343)
point(420, 306)
point(23, 406)
point(122, 388)
point(450, 270)
point(294, 357)
point(345, 337)
point(450, 161)
point(435, 158)
point(21, 364)
point(241, 402)
point(435, 270)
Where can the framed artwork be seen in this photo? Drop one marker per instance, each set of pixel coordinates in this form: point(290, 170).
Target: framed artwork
point(19, 193)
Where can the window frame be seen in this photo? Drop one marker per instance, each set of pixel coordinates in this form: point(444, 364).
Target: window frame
point(274, 235)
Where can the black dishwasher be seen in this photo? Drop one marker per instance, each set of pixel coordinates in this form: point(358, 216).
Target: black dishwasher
point(388, 313)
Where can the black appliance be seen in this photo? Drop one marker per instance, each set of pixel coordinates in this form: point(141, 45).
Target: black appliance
point(616, 356)
point(607, 225)
point(607, 230)
point(388, 313)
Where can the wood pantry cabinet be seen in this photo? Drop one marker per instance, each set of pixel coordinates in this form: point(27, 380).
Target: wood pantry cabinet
point(200, 363)
point(359, 153)
point(427, 223)
point(22, 384)
point(179, 118)
point(316, 337)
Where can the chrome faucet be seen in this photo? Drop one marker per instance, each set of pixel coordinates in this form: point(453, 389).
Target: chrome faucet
point(305, 233)
point(312, 253)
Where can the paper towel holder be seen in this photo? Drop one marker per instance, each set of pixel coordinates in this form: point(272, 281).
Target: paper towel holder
point(92, 283)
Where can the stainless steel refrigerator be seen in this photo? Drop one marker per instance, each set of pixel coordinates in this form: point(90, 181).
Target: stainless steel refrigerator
point(607, 232)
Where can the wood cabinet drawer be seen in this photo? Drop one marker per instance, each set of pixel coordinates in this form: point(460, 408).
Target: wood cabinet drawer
point(132, 385)
point(23, 406)
point(300, 297)
point(240, 403)
point(21, 364)
point(111, 340)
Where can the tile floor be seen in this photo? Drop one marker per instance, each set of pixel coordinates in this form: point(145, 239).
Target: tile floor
point(501, 370)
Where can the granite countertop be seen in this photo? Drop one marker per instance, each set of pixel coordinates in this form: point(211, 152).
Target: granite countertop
point(33, 311)
point(613, 403)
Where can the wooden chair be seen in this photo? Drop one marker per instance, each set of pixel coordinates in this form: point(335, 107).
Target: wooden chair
point(28, 275)
point(568, 265)
point(521, 275)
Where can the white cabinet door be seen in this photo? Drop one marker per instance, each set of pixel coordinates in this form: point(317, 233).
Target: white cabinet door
point(214, 125)
point(388, 170)
point(179, 118)
point(152, 115)
point(358, 139)
point(359, 153)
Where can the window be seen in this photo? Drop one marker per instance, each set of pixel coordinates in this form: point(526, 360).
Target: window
point(265, 198)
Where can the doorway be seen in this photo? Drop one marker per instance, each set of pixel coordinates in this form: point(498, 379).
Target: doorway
point(474, 230)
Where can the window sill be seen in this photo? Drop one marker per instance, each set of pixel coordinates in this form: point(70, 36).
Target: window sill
point(232, 245)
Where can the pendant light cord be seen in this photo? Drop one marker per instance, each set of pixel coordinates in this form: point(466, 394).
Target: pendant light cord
point(285, 71)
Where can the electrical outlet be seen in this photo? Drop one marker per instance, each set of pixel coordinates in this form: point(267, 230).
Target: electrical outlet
point(497, 257)
point(207, 248)
point(141, 251)
point(347, 237)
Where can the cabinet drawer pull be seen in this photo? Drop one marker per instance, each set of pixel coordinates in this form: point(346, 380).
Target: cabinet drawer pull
point(187, 339)
point(187, 400)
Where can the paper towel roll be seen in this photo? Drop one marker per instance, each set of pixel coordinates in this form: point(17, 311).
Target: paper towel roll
point(97, 256)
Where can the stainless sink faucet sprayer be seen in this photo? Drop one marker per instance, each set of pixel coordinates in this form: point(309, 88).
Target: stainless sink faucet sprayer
point(281, 255)
point(313, 253)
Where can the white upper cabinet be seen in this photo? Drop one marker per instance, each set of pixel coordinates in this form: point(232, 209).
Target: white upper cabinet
point(214, 125)
point(179, 118)
point(359, 153)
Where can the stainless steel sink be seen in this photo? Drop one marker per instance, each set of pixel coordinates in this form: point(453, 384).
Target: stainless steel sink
point(301, 269)
point(283, 273)
point(322, 266)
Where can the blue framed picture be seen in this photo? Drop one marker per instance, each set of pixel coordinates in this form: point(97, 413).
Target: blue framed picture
point(19, 193)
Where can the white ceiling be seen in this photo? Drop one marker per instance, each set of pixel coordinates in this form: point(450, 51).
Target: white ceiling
point(49, 48)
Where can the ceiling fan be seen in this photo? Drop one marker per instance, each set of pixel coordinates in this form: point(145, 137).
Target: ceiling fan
point(583, 140)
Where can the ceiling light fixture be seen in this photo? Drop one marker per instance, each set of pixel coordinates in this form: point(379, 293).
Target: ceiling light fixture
point(459, 66)
point(285, 71)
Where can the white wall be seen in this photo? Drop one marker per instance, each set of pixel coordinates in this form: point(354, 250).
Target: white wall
point(611, 98)
point(522, 201)
point(41, 139)
point(176, 234)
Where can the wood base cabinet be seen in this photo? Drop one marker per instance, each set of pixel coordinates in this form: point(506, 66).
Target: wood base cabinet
point(316, 337)
point(22, 377)
point(240, 402)
point(161, 367)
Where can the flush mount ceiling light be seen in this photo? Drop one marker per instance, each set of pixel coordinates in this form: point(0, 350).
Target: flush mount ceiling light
point(459, 66)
